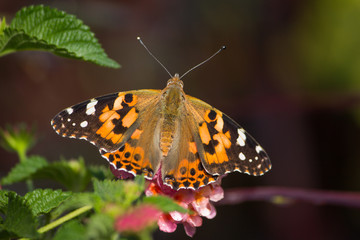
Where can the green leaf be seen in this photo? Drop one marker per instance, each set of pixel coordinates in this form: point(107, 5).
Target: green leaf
point(19, 219)
point(164, 203)
point(3, 200)
point(44, 200)
point(120, 192)
point(101, 172)
point(48, 29)
point(72, 230)
point(100, 226)
point(24, 170)
point(18, 138)
point(77, 200)
point(109, 190)
point(5, 234)
point(73, 174)
point(2, 25)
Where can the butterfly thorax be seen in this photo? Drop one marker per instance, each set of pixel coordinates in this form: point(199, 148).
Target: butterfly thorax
point(171, 108)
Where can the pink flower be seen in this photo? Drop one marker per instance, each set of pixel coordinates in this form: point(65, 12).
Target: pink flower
point(137, 218)
point(197, 201)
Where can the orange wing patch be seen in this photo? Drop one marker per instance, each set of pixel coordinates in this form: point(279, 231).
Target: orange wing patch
point(189, 174)
point(130, 159)
point(215, 142)
point(121, 117)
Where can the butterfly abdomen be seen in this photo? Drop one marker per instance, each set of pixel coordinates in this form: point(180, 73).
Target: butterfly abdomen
point(166, 140)
point(171, 111)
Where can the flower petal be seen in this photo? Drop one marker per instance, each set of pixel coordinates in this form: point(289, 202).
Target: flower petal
point(190, 230)
point(166, 223)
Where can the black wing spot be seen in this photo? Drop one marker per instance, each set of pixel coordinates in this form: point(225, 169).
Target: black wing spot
point(122, 148)
point(128, 98)
point(212, 115)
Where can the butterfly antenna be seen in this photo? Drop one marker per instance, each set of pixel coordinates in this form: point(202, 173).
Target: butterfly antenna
point(218, 51)
point(138, 38)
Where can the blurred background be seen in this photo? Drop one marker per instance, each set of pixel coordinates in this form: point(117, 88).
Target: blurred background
point(290, 76)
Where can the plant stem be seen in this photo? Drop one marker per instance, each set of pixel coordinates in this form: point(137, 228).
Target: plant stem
point(29, 185)
point(65, 218)
point(287, 195)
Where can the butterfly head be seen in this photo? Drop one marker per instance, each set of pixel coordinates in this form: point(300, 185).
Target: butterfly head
point(175, 82)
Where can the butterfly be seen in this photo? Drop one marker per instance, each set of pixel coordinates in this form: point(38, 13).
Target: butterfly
point(143, 131)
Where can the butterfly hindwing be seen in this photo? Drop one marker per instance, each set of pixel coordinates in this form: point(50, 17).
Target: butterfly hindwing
point(225, 146)
point(106, 121)
point(182, 167)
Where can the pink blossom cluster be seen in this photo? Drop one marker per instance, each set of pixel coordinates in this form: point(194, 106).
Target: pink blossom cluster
point(198, 202)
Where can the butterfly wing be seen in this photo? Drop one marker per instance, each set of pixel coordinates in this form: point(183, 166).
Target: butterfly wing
point(141, 153)
point(107, 121)
point(223, 145)
point(182, 167)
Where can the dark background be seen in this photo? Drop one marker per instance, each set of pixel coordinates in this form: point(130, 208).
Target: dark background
point(290, 76)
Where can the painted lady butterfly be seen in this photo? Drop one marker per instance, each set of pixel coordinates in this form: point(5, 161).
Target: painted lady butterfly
point(142, 131)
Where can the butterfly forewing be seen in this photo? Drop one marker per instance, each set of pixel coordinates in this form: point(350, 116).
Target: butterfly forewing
point(107, 121)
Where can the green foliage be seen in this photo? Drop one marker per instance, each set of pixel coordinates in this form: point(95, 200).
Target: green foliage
point(48, 29)
point(3, 200)
point(19, 218)
point(73, 174)
point(2, 26)
point(44, 200)
point(17, 139)
point(165, 204)
point(80, 214)
point(100, 226)
point(24, 170)
point(100, 172)
point(72, 230)
point(120, 192)
point(75, 201)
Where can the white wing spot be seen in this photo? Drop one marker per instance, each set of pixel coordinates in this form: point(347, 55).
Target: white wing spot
point(242, 137)
point(250, 160)
point(74, 124)
point(70, 110)
point(256, 158)
point(259, 149)
point(90, 107)
point(83, 124)
point(69, 120)
point(242, 156)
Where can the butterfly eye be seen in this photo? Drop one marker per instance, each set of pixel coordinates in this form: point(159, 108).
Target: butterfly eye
point(169, 82)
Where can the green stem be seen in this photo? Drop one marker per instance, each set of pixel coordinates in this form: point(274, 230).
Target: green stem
point(65, 218)
point(29, 185)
